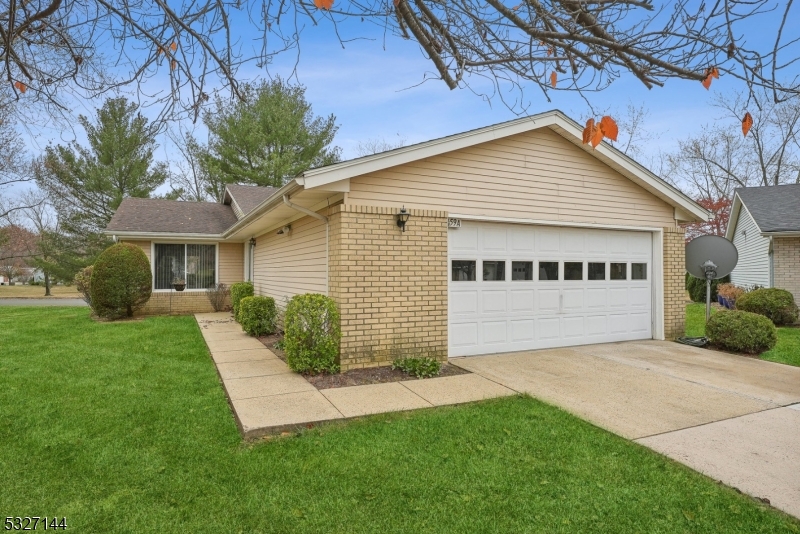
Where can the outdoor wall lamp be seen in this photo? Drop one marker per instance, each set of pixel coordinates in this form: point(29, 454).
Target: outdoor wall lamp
point(252, 241)
point(285, 230)
point(402, 218)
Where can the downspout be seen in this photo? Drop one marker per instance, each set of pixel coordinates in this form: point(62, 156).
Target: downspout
point(324, 219)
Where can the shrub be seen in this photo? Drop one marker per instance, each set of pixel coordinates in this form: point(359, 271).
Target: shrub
point(121, 281)
point(419, 367)
point(697, 287)
point(311, 341)
point(776, 304)
point(239, 291)
point(217, 295)
point(741, 331)
point(83, 283)
point(730, 291)
point(257, 315)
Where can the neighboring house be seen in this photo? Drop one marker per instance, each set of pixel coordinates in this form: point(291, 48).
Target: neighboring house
point(519, 237)
point(765, 227)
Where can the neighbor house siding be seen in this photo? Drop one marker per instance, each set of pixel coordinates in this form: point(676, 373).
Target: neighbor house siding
point(786, 255)
point(288, 265)
point(535, 175)
point(753, 266)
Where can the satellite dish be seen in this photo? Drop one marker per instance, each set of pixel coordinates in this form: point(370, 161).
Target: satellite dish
point(710, 255)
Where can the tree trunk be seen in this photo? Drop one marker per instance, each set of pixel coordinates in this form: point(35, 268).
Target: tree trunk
point(47, 284)
point(130, 311)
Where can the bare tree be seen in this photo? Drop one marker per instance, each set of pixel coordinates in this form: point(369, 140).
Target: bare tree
point(378, 145)
point(51, 49)
point(190, 180)
point(719, 159)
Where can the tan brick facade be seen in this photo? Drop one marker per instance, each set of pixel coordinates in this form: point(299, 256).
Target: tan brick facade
point(390, 286)
point(177, 303)
point(786, 264)
point(674, 282)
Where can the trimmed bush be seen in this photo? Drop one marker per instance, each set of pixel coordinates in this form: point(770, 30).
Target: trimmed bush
point(311, 340)
point(419, 367)
point(257, 315)
point(239, 291)
point(83, 283)
point(697, 287)
point(121, 281)
point(776, 304)
point(741, 331)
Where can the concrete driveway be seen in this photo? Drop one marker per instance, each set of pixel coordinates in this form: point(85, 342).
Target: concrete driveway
point(727, 416)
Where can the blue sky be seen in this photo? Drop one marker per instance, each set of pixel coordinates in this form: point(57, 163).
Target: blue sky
point(374, 91)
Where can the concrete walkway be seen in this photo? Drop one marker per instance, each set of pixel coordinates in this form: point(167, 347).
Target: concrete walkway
point(733, 418)
point(267, 397)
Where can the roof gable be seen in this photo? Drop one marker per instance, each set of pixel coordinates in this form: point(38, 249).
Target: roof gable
point(245, 198)
point(774, 209)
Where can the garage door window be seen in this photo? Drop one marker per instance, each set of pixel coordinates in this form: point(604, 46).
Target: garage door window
point(522, 270)
point(548, 270)
point(463, 270)
point(638, 271)
point(494, 270)
point(597, 271)
point(619, 271)
point(573, 270)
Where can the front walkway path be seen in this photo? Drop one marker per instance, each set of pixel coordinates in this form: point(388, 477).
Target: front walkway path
point(267, 397)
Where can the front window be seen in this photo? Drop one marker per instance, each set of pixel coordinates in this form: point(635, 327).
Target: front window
point(195, 265)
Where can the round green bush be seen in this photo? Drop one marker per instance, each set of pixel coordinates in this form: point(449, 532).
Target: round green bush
point(311, 340)
point(121, 281)
point(697, 287)
point(741, 331)
point(239, 291)
point(776, 304)
point(83, 283)
point(257, 315)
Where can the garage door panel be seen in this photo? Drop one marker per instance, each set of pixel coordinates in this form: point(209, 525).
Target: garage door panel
point(510, 315)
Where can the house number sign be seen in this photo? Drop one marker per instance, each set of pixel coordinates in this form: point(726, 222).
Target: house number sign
point(454, 223)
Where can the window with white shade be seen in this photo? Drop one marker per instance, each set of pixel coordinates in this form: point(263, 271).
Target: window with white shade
point(195, 265)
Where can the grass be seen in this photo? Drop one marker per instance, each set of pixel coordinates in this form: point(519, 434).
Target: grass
point(786, 351)
point(28, 291)
point(124, 427)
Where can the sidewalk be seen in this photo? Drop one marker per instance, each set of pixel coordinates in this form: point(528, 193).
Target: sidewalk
point(267, 397)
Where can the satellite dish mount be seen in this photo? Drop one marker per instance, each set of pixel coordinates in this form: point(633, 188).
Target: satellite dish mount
point(710, 257)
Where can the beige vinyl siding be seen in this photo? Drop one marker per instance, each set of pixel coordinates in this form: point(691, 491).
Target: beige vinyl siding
point(231, 263)
point(535, 175)
point(285, 266)
point(144, 245)
point(753, 266)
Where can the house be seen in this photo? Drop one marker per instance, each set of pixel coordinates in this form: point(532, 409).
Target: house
point(765, 227)
point(517, 237)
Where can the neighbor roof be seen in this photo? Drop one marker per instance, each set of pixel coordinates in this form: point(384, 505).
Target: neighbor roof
point(775, 208)
point(247, 197)
point(170, 216)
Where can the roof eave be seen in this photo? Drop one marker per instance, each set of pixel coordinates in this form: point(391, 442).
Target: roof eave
point(127, 234)
point(268, 204)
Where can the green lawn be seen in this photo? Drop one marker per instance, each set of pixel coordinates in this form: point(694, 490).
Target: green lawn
point(786, 351)
point(125, 428)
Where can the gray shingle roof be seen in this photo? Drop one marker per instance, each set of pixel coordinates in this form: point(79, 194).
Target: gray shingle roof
point(170, 216)
point(247, 197)
point(775, 208)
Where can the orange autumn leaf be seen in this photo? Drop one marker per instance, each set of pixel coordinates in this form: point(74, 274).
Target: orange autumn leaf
point(587, 132)
point(323, 4)
point(174, 64)
point(597, 136)
point(553, 79)
point(516, 7)
point(160, 50)
point(21, 87)
point(707, 82)
point(715, 72)
point(609, 127)
point(173, 46)
point(747, 123)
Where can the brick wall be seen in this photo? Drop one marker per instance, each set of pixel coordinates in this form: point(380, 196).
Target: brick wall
point(390, 286)
point(181, 303)
point(786, 264)
point(674, 283)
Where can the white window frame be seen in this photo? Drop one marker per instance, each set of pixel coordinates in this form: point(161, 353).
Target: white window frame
point(184, 243)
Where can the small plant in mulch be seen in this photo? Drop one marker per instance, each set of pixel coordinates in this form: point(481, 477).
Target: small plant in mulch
point(418, 367)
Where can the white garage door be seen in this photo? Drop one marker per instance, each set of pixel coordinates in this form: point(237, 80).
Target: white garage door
point(519, 287)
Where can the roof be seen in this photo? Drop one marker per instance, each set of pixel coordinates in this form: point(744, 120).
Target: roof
point(170, 216)
point(322, 177)
point(247, 197)
point(775, 209)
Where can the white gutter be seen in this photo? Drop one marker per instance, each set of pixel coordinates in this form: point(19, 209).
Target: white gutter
point(301, 209)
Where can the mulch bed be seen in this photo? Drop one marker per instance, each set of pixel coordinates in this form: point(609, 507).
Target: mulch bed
point(356, 377)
